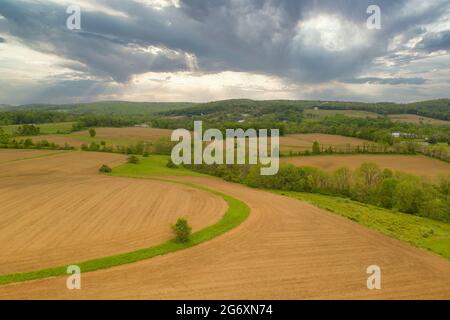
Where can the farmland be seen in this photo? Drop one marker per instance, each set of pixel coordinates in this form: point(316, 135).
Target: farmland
point(56, 206)
point(305, 245)
point(46, 128)
point(418, 165)
point(319, 113)
point(112, 136)
point(247, 243)
point(413, 118)
point(7, 155)
point(213, 152)
point(298, 142)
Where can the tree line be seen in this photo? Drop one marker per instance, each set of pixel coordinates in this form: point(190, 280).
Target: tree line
point(368, 184)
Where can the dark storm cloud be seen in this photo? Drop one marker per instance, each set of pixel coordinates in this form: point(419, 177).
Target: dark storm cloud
point(259, 36)
point(436, 41)
point(43, 28)
point(391, 81)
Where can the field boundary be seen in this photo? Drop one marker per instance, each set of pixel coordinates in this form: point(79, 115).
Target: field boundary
point(237, 213)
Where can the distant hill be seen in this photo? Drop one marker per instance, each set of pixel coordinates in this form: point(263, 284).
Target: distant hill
point(436, 109)
point(106, 107)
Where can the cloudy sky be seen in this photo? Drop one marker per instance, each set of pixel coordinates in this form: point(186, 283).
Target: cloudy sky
point(203, 50)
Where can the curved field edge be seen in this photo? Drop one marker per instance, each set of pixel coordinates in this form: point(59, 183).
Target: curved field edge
point(237, 213)
point(420, 232)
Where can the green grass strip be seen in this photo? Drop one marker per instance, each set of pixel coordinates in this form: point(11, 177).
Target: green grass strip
point(237, 212)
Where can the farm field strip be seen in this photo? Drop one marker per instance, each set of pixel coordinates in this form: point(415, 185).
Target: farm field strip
point(298, 142)
point(112, 136)
point(415, 164)
point(349, 113)
point(413, 118)
point(421, 232)
point(9, 155)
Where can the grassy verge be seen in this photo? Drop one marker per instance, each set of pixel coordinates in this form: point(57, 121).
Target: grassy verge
point(154, 165)
point(421, 232)
point(237, 212)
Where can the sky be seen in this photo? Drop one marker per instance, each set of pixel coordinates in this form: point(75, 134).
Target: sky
point(205, 50)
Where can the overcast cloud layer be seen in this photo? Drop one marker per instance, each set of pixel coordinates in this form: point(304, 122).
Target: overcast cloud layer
point(201, 50)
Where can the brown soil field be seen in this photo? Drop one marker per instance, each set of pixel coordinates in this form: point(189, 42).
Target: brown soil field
point(114, 136)
point(59, 210)
point(418, 165)
point(14, 154)
point(130, 133)
point(60, 140)
point(413, 118)
point(286, 249)
point(297, 142)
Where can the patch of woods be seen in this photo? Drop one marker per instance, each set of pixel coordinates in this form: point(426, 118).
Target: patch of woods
point(161, 146)
point(28, 130)
point(368, 184)
point(440, 152)
point(12, 143)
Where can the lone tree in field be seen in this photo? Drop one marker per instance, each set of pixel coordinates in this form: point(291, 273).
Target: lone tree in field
point(316, 148)
point(133, 160)
point(105, 169)
point(182, 230)
point(92, 132)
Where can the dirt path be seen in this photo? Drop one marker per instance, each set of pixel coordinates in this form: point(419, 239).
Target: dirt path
point(285, 250)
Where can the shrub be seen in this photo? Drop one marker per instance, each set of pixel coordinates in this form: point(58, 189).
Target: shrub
point(133, 160)
point(28, 130)
point(92, 132)
point(105, 169)
point(316, 148)
point(182, 230)
point(171, 165)
point(94, 147)
point(408, 196)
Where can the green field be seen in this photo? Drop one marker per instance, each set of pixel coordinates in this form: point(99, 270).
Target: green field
point(154, 165)
point(321, 113)
point(421, 232)
point(46, 128)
